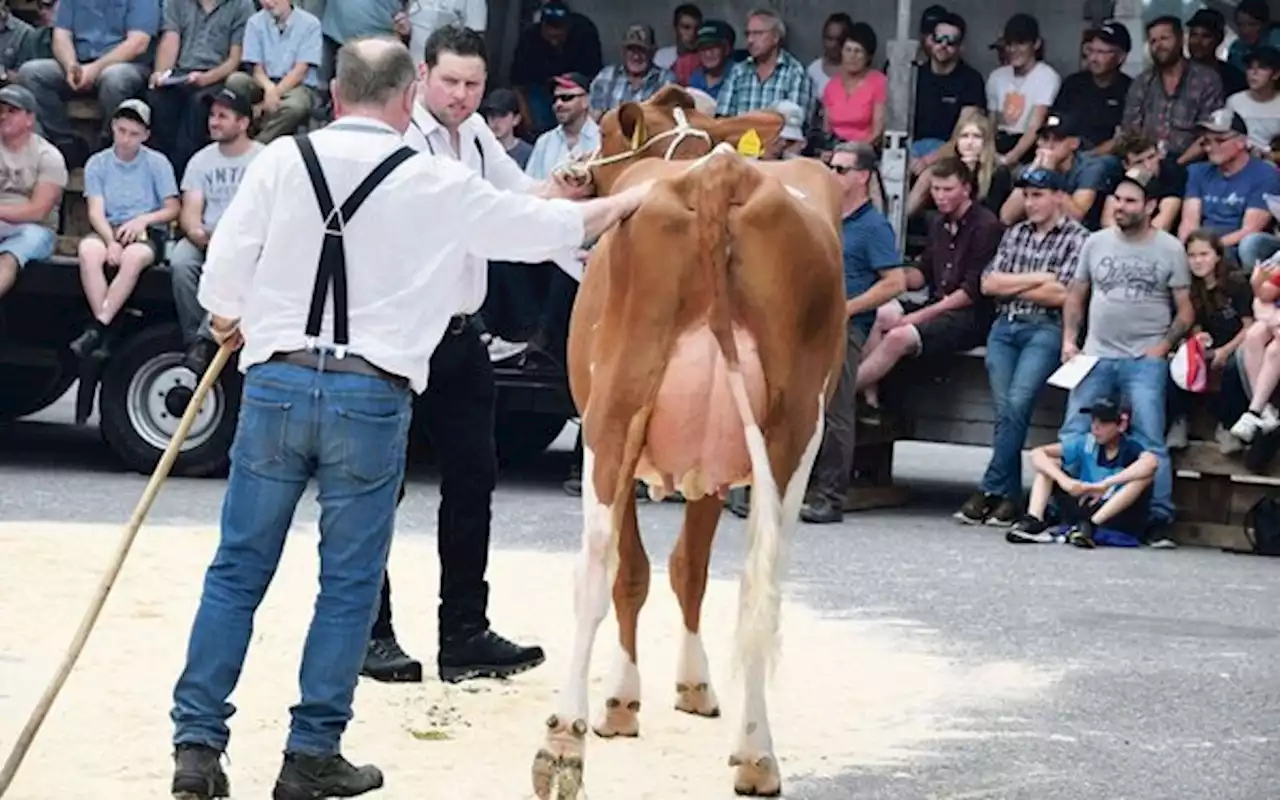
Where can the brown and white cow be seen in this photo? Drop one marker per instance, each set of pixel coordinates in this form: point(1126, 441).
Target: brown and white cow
point(705, 342)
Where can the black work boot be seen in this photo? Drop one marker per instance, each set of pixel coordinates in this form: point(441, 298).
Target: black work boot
point(304, 777)
point(485, 655)
point(820, 510)
point(197, 773)
point(386, 661)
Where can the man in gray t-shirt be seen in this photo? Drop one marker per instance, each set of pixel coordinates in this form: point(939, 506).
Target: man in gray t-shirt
point(1131, 276)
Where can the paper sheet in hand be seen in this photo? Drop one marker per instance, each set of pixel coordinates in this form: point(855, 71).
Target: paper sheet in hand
point(1069, 375)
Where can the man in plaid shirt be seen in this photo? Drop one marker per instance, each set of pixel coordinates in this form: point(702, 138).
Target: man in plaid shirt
point(769, 74)
point(635, 80)
point(1028, 280)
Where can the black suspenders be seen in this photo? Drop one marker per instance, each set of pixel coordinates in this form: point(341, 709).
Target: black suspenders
point(332, 271)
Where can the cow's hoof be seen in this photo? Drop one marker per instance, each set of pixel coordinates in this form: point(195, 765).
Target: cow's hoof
point(620, 719)
point(698, 699)
point(557, 767)
point(756, 777)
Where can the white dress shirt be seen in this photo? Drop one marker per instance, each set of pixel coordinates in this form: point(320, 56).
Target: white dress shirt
point(407, 247)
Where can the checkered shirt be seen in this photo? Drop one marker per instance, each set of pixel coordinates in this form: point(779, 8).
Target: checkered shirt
point(743, 92)
point(612, 87)
point(1023, 250)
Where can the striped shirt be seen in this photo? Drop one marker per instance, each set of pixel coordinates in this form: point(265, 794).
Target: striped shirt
point(1023, 250)
point(743, 91)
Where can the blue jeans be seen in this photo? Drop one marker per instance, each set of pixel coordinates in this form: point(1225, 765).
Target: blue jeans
point(28, 242)
point(349, 433)
point(1142, 382)
point(1021, 355)
point(1257, 247)
point(923, 147)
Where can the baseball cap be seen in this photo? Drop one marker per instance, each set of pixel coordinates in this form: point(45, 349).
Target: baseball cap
point(1020, 29)
point(1209, 19)
point(18, 96)
point(715, 31)
point(236, 101)
point(1106, 409)
point(1060, 125)
point(572, 80)
point(1040, 178)
point(793, 114)
point(554, 12)
point(1224, 120)
point(930, 17)
point(134, 109)
point(1138, 177)
point(1112, 33)
point(500, 102)
point(1264, 54)
point(639, 35)
point(1256, 9)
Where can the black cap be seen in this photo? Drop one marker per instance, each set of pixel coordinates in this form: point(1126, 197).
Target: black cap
point(1256, 9)
point(18, 96)
point(1224, 120)
point(554, 11)
point(571, 81)
point(1112, 33)
point(236, 101)
point(1264, 54)
point(1060, 125)
point(1138, 177)
point(1209, 19)
point(1106, 409)
point(1021, 29)
point(1040, 178)
point(500, 102)
point(714, 32)
point(931, 16)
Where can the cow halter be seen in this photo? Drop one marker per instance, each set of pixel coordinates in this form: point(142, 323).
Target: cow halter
point(682, 131)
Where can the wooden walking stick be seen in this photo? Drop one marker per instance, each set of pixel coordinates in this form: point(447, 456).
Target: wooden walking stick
point(158, 475)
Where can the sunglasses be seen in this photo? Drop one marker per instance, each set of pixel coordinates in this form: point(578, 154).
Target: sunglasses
point(567, 97)
point(946, 40)
point(841, 169)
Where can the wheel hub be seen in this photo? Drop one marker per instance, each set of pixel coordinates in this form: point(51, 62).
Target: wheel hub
point(158, 396)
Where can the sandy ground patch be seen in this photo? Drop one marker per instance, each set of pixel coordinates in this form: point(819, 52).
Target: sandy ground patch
point(848, 693)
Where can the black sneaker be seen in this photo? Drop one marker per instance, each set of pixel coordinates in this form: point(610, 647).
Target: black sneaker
point(1029, 530)
point(386, 661)
point(1004, 515)
point(1081, 535)
point(197, 773)
point(485, 655)
point(199, 355)
point(1157, 537)
point(313, 777)
point(89, 340)
point(821, 510)
point(977, 508)
point(739, 502)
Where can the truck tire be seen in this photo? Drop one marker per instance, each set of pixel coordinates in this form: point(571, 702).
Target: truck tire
point(27, 389)
point(522, 436)
point(144, 394)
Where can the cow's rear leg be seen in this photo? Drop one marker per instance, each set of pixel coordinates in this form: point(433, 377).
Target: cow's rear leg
point(630, 590)
point(688, 571)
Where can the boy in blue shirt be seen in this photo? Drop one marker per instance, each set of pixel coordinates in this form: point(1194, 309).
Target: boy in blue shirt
point(1098, 481)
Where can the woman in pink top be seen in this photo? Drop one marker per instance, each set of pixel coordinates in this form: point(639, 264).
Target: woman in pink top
point(854, 100)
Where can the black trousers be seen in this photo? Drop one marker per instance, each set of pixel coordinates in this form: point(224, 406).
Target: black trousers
point(459, 409)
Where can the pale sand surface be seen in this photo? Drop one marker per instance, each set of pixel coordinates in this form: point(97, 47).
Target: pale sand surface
point(847, 694)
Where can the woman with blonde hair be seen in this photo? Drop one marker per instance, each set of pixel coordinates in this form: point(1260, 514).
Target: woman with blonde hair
point(974, 142)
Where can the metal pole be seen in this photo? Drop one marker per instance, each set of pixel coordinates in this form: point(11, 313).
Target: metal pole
point(894, 161)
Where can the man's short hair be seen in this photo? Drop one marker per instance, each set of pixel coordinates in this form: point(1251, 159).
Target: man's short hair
point(373, 78)
point(1133, 143)
point(1167, 19)
point(953, 167)
point(454, 39)
point(779, 27)
point(686, 10)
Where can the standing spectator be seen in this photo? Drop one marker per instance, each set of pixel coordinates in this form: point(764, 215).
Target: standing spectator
point(32, 177)
point(873, 276)
point(1095, 96)
point(1137, 151)
point(1259, 105)
point(1131, 277)
point(956, 316)
point(131, 194)
point(208, 184)
point(1020, 93)
point(1253, 28)
point(283, 44)
point(1028, 279)
point(636, 79)
point(827, 66)
point(1167, 101)
point(425, 16)
point(560, 41)
point(1225, 193)
point(715, 54)
point(945, 87)
point(853, 103)
point(198, 50)
point(682, 57)
point(1086, 179)
point(93, 52)
point(768, 74)
point(1206, 31)
point(501, 109)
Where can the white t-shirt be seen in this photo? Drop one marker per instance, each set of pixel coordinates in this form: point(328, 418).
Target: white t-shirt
point(818, 75)
point(665, 57)
point(1011, 97)
point(1262, 119)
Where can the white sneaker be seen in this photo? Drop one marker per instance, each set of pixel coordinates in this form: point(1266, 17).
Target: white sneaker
point(500, 349)
point(1247, 426)
point(1270, 419)
point(1227, 444)
point(1176, 439)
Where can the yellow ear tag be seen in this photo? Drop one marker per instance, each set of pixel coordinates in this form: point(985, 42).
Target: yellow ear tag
point(750, 145)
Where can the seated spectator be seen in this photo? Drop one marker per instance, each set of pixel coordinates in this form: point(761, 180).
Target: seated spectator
point(715, 51)
point(1225, 194)
point(1137, 151)
point(344, 20)
point(681, 58)
point(955, 316)
point(424, 19)
point(1260, 353)
point(1259, 104)
point(635, 80)
point(20, 42)
point(974, 144)
point(854, 101)
point(1095, 96)
point(1206, 30)
point(827, 66)
point(198, 51)
point(1253, 29)
point(34, 175)
point(501, 109)
point(1028, 280)
point(946, 87)
point(561, 41)
point(132, 197)
point(282, 43)
point(1086, 179)
point(1099, 482)
point(1131, 277)
point(93, 52)
point(1223, 303)
point(873, 276)
point(768, 74)
point(1020, 93)
point(210, 181)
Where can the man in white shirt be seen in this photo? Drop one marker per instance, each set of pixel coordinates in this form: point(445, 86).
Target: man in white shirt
point(331, 359)
point(459, 400)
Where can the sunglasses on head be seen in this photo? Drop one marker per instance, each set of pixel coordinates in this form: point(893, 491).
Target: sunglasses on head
point(946, 39)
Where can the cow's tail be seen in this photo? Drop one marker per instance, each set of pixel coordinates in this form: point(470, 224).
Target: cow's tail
point(729, 180)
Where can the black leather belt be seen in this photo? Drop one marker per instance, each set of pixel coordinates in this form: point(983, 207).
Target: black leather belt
point(325, 361)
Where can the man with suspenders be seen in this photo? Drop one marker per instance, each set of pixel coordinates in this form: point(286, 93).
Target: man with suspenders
point(331, 357)
point(459, 401)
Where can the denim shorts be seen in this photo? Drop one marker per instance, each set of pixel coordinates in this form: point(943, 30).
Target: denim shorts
point(28, 242)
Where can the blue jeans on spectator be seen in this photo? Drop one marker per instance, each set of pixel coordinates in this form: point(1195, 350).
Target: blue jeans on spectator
point(923, 147)
point(28, 242)
point(48, 82)
point(1141, 382)
point(1021, 355)
point(349, 433)
point(1257, 247)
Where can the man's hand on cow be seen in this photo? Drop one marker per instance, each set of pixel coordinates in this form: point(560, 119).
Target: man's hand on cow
point(226, 332)
point(572, 182)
